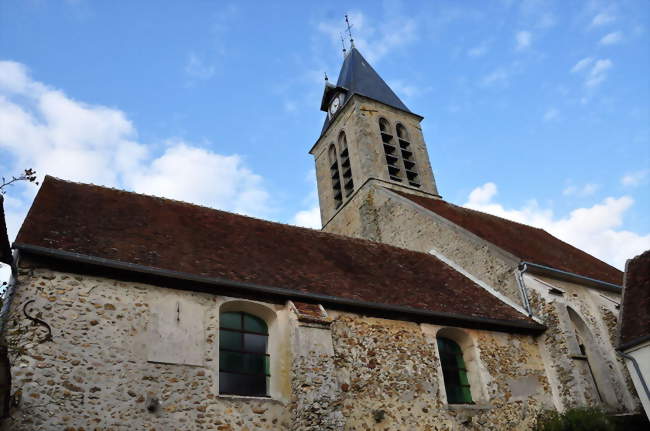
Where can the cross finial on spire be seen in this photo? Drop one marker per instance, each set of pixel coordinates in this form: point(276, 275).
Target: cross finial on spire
point(347, 21)
point(326, 79)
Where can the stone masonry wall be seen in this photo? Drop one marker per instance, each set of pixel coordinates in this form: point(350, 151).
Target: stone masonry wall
point(358, 373)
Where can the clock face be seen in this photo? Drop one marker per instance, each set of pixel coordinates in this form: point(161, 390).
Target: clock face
point(335, 104)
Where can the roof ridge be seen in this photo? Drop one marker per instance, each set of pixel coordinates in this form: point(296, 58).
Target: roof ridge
point(284, 225)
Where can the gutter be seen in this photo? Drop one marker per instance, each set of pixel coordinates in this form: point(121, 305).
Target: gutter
point(637, 369)
point(570, 276)
point(519, 277)
point(450, 318)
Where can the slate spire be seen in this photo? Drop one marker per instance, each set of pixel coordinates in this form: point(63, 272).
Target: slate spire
point(358, 77)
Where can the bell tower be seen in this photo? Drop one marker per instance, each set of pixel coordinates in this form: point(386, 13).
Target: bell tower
point(369, 136)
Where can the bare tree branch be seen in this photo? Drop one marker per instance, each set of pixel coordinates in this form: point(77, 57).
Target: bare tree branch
point(29, 175)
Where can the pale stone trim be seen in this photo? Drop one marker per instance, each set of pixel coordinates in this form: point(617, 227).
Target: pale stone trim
point(485, 286)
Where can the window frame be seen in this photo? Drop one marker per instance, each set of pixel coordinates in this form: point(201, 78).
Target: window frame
point(245, 353)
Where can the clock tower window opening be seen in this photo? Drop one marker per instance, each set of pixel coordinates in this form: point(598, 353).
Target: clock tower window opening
point(390, 151)
point(348, 183)
point(335, 176)
point(408, 159)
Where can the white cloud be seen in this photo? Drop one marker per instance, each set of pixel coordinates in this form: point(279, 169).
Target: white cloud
point(582, 64)
point(197, 69)
point(551, 114)
point(402, 89)
point(374, 41)
point(633, 179)
point(499, 76)
point(479, 50)
point(602, 18)
point(308, 218)
point(594, 70)
point(586, 190)
point(44, 129)
point(612, 38)
point(598, 73)
point(523, 40)
point(595, 229)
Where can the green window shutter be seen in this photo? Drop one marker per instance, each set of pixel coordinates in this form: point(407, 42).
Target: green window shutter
point(454, 372)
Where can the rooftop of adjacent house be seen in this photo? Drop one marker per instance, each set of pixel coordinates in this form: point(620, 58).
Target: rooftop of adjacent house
point(635, 306)
point(136, 229)
point(528, 243)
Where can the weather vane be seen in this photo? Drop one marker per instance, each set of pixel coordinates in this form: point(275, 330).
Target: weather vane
point(347, 21)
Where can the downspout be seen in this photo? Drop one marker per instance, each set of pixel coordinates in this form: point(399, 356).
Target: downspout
point(519, 276)
point(635, 364)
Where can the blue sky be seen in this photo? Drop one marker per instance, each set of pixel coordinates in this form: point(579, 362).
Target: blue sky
point(538, 111)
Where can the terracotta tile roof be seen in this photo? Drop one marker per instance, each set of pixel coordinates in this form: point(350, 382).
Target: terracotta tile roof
point(526, 242)
point(5, 250)
point(171, 235)
point(635, 307)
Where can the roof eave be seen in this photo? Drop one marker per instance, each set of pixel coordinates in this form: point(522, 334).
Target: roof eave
point(452, 319)
point(536, 268)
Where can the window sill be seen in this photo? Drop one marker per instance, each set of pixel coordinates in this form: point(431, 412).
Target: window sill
point(469, 407)
point(249, 398)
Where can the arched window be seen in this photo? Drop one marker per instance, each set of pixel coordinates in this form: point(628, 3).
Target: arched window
point(244, 364)
point(586, 350)
point(390, 151)
point(336, 177)
point(406, 151)
point(454, 372)
point(348, 184)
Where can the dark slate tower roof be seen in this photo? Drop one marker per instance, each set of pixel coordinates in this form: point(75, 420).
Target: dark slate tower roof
point(358, 77)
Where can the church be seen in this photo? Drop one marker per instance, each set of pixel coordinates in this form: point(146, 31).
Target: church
point(405, 312)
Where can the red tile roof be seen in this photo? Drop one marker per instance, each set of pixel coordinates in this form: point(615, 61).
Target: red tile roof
point(177, 236)
point(635, 307)
point(526, 242)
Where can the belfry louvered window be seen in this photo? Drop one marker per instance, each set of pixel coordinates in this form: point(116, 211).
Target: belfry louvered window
point(454, 372)
point(406, 151)
point(348, 184)
point(390, 151)
point(336, 176)
point(243, 358)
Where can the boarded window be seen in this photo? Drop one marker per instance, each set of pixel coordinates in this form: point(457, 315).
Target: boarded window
point(406, 153)
point(348, 184)
point(336, 176)
point(243, 358)
point(454, 372)
point(176, 330)
point(391, 153)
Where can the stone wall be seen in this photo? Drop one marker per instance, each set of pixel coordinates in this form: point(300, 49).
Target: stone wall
point(359, 119)
point(380, 215)
point(99, 369)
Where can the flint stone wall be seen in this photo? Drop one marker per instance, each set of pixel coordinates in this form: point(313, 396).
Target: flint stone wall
point(357, 373)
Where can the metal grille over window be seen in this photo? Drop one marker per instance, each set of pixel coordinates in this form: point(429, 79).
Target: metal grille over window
point(243, 360)
point(336, 177)
point(390, 151)
point(454, 372)
point(348, 184)
point(407, 156)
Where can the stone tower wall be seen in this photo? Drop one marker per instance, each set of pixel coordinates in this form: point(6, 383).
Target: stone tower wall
point(359, 119)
